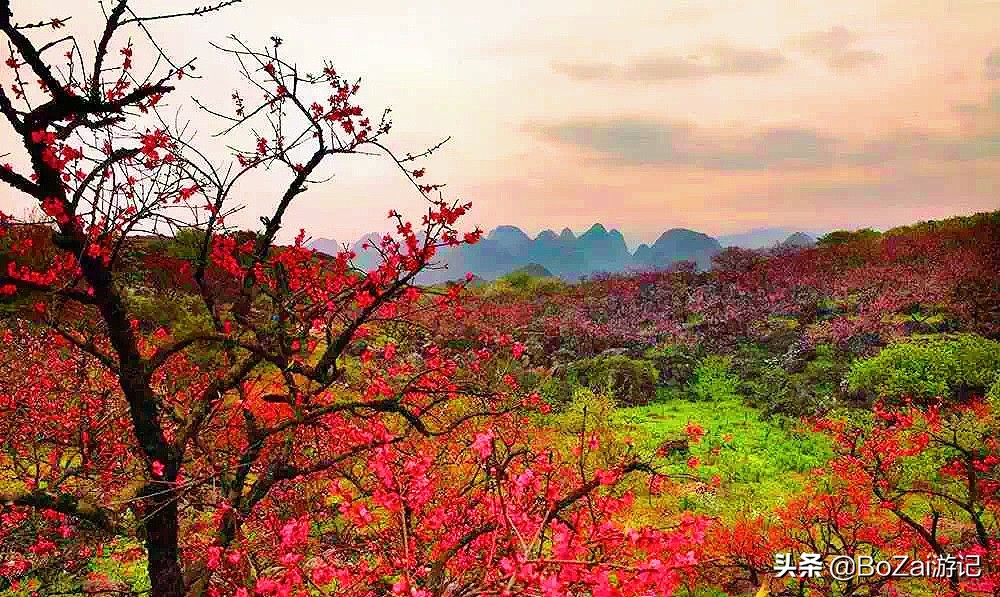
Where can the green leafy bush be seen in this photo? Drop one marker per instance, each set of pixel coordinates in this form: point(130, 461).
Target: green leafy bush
point(951, 367)
point(797, 383)
point(630, 381)
point(778, 392)
point(524, 284)
point(993, 395)
point(186, 244)
point(994, 391)
point(586, 410)
point(840, 237)
point(674, 363)
point(556, 391)
point(714, 379)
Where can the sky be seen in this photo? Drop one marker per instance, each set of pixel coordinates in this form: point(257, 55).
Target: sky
point(643, 115)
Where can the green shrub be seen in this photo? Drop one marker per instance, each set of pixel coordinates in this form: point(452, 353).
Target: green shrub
point(674, 363)
point(797, 383)
point(185, 314)
point(586, 410)
point(714, 379)
point(523, 284)
point(993, 395)
point(556, 391)
point(925, 368)
point(840, 237)
point(778, 392)
point(994, 391)
point(630, 381)
point(186, 244)
point(460, 344)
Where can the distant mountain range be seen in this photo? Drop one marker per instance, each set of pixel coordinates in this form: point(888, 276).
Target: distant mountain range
point(507, 248)
point(760, 238)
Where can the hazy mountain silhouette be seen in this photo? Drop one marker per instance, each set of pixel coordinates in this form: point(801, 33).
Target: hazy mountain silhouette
point(761, 238)
point(507, 248)
point(533, 269)
point(325, 245)
point(677, 244)
point(510, 238)
point(367, 250)
point(798, 240)
point(604, 250)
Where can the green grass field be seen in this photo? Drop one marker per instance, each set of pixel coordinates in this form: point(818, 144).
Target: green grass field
point(759, 462)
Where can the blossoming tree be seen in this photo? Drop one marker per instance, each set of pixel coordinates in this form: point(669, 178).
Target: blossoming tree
point(249, 417)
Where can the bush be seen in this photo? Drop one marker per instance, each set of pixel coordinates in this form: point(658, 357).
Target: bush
point(186, 244)
point(826, 369)
point(714, 379)
point(674, 363)
point(993, 395)
point(631, 381)
point(994, 391)
point(803, 381)
point(556, 391)
point(778, 392)
point(524, 284)
point(951, 367)
point(586, 410)
point(840, 237)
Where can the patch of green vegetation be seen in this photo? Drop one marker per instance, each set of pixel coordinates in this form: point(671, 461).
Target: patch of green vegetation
point(119, 569)
point(759, 461)
point(952, 223)
point(556, 391)
point(713, 379)
point(131, 571)
point(993, 394)
point(187, 244)
point(675, 363)
point(841, 237)
point(185, 314)
point(524, 283)
point(694, 319)
point(928, 367)
point(804, 386)
point(630, 381)
point(585, 410)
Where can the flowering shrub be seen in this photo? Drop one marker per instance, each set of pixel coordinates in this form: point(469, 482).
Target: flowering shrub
point(257, 419)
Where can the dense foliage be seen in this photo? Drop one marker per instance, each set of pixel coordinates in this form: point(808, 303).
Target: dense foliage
point(939, 366)
point(630, 381)
point(190, 409)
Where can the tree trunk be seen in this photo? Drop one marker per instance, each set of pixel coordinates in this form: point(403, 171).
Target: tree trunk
point(161, 547)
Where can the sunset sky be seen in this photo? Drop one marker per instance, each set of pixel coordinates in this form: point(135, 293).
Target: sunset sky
point(715, 115)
